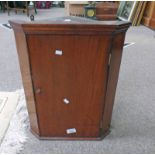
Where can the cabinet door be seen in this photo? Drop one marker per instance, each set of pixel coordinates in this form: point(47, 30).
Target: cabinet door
point(69, 76)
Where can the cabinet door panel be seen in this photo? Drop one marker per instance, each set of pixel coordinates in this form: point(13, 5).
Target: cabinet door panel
point(78, 75)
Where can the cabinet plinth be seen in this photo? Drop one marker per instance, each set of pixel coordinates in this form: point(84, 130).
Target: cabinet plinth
point(70, 68)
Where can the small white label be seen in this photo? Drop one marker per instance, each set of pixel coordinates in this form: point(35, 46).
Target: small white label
point(67, 20)
point(72, 130)
point(66, 101)
point(58, 52)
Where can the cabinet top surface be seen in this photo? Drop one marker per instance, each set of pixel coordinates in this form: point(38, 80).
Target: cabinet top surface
point(74, 20)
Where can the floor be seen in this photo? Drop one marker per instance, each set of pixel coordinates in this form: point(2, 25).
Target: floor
point(133, 121)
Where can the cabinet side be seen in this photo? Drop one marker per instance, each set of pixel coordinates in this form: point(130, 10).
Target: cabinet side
point(23, 58)
point(114, 66)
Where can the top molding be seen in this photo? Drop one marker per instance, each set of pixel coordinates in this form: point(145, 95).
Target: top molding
point(70, 25)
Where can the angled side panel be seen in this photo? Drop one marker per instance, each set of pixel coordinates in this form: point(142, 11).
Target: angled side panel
point(114, 66)
point(26, 77)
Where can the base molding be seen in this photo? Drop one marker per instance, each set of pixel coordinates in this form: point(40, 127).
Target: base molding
point(71, 138)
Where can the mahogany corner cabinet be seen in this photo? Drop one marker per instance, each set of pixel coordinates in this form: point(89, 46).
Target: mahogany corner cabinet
point(70, 68)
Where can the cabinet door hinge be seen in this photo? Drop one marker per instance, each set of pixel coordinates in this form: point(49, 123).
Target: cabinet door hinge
point(109, 59)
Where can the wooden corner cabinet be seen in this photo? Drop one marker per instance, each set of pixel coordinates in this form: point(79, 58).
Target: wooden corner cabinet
point(70, 68)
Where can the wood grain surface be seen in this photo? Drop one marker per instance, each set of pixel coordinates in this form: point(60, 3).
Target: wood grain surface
point(76, 62)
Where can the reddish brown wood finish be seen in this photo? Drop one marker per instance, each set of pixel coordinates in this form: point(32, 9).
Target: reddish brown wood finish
point(116, 55)
point(149, 15)
point(84, 74)
point(106, 10)
point(26, 78)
